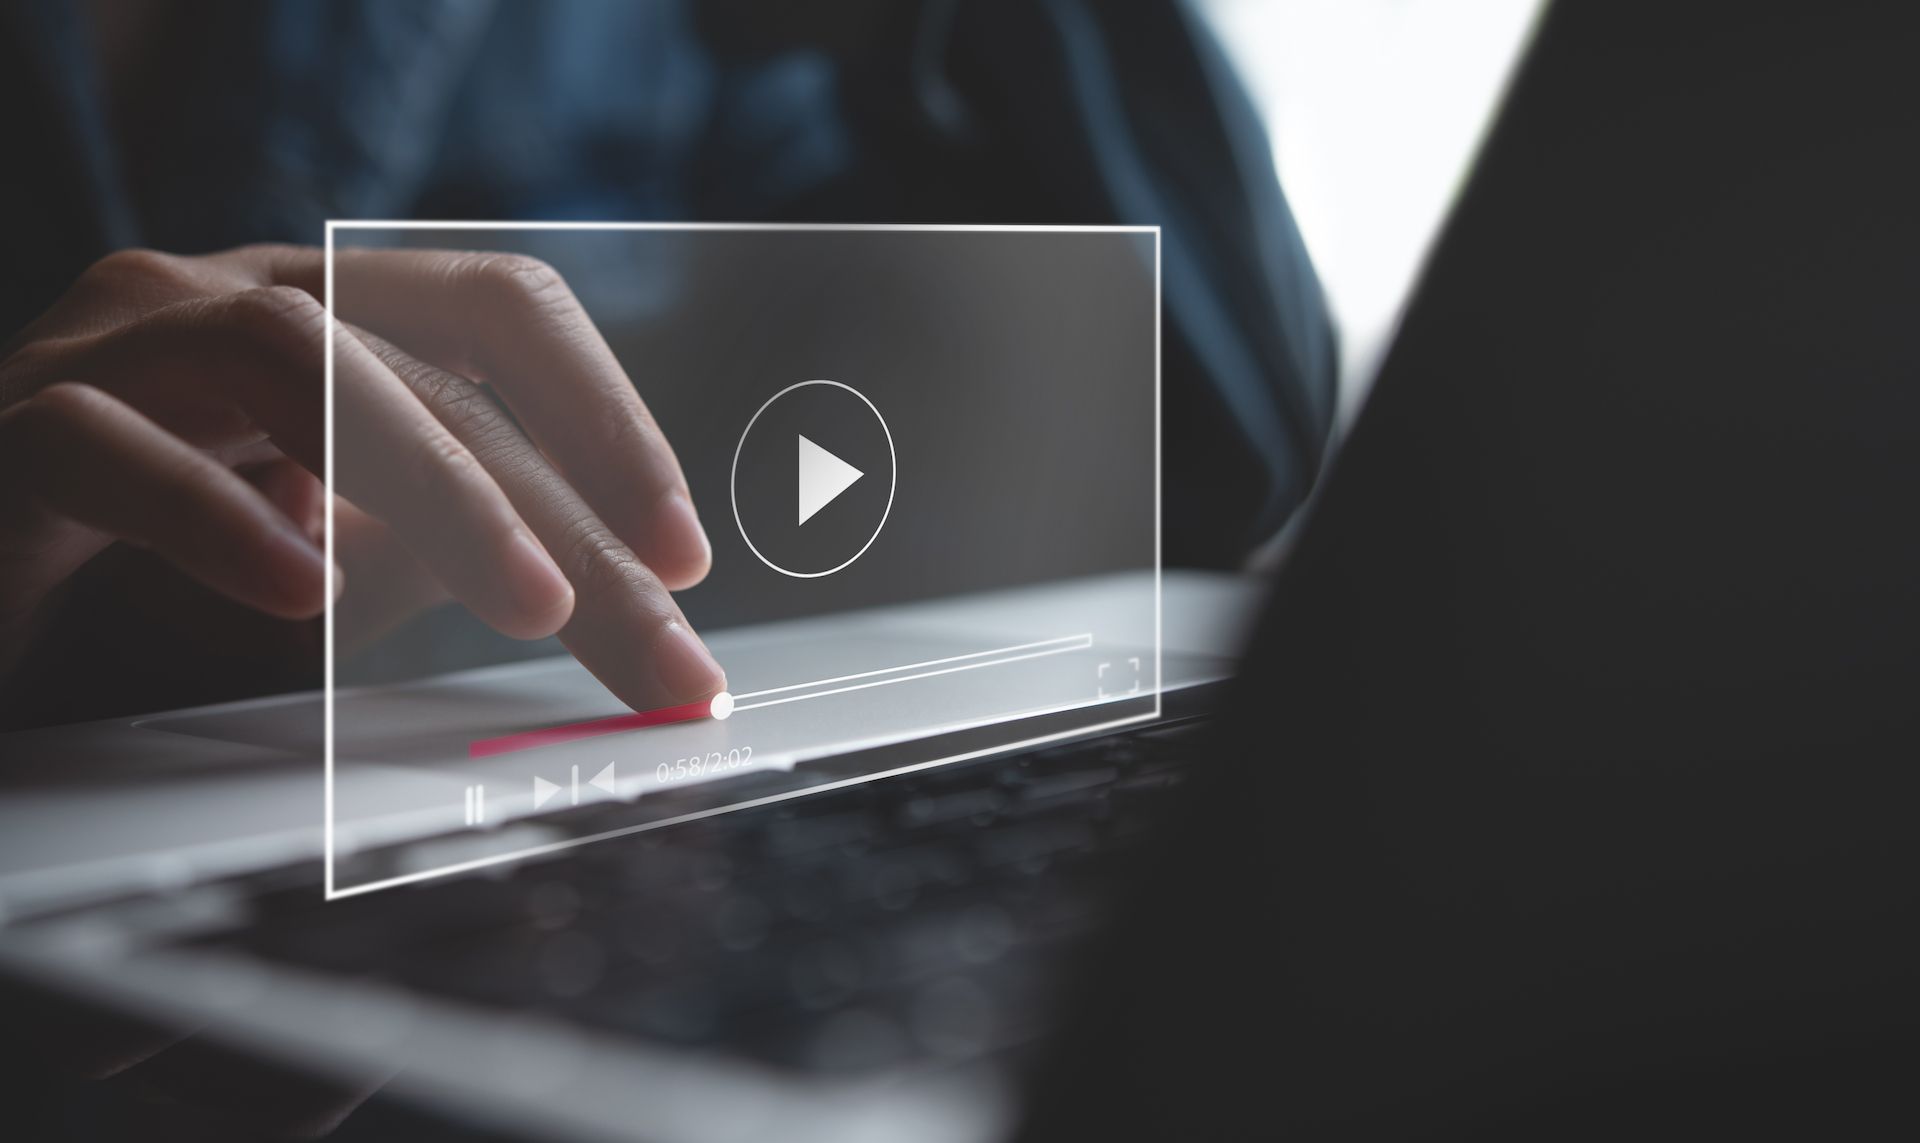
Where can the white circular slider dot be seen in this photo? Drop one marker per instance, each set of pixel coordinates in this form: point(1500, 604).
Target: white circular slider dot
point(722, 706)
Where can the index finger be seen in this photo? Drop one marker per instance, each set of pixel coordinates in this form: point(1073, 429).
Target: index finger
point(513, 322)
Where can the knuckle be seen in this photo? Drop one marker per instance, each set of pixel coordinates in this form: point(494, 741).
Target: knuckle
point(471, 414)
point(268, 250)
point(466, 409)
point(141, 268)
point(61, 415)
point(520, 281)
point(284, 322)
point(428, 383)
point(602, 568)
point(280, 311)
point(66, 400)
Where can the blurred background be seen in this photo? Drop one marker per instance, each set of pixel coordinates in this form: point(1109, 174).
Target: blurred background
point(203, 125)
point(1374, 108)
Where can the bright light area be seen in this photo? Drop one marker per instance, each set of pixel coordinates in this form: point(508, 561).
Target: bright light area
point(1375, 108)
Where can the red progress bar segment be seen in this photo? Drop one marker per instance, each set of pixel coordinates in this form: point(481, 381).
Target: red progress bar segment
point(568, 732)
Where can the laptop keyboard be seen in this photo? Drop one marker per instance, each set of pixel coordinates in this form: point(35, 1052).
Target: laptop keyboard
point(917, 919)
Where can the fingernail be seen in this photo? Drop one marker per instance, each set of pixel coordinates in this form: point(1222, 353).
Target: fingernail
point(676, 528)
point(540, 592)
point(339, 581)
point(685, 668)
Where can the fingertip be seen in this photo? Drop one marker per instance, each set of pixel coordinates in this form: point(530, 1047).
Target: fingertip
point(295, 580)
point(686, 670)
point(540, 600)
point(678, 549)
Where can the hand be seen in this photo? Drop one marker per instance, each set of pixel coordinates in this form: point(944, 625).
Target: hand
point(488, 446)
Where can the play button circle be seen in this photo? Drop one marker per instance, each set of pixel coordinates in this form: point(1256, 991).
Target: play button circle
point(813, 478)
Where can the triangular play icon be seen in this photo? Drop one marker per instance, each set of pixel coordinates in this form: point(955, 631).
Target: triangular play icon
point(822, 476)
point(543, 791)
point(604, 779)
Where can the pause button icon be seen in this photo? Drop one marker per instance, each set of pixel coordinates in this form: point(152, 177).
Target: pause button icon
point(476, 805)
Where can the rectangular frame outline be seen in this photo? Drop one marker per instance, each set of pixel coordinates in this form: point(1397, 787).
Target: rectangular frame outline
point(332, 892)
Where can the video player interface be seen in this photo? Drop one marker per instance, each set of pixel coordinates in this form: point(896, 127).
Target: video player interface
point(925, 459)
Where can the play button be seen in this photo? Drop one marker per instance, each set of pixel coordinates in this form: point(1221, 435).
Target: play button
point(822, 476)
point(813, 478)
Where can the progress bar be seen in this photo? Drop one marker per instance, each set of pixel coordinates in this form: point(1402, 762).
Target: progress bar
point(725, 705)
point(971, 662)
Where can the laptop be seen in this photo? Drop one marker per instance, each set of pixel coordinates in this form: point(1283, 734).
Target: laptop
point(863, 904)
point(1563, 789)
point(928, 461)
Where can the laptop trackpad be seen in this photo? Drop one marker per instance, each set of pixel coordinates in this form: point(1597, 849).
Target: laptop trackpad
point(293, 723)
